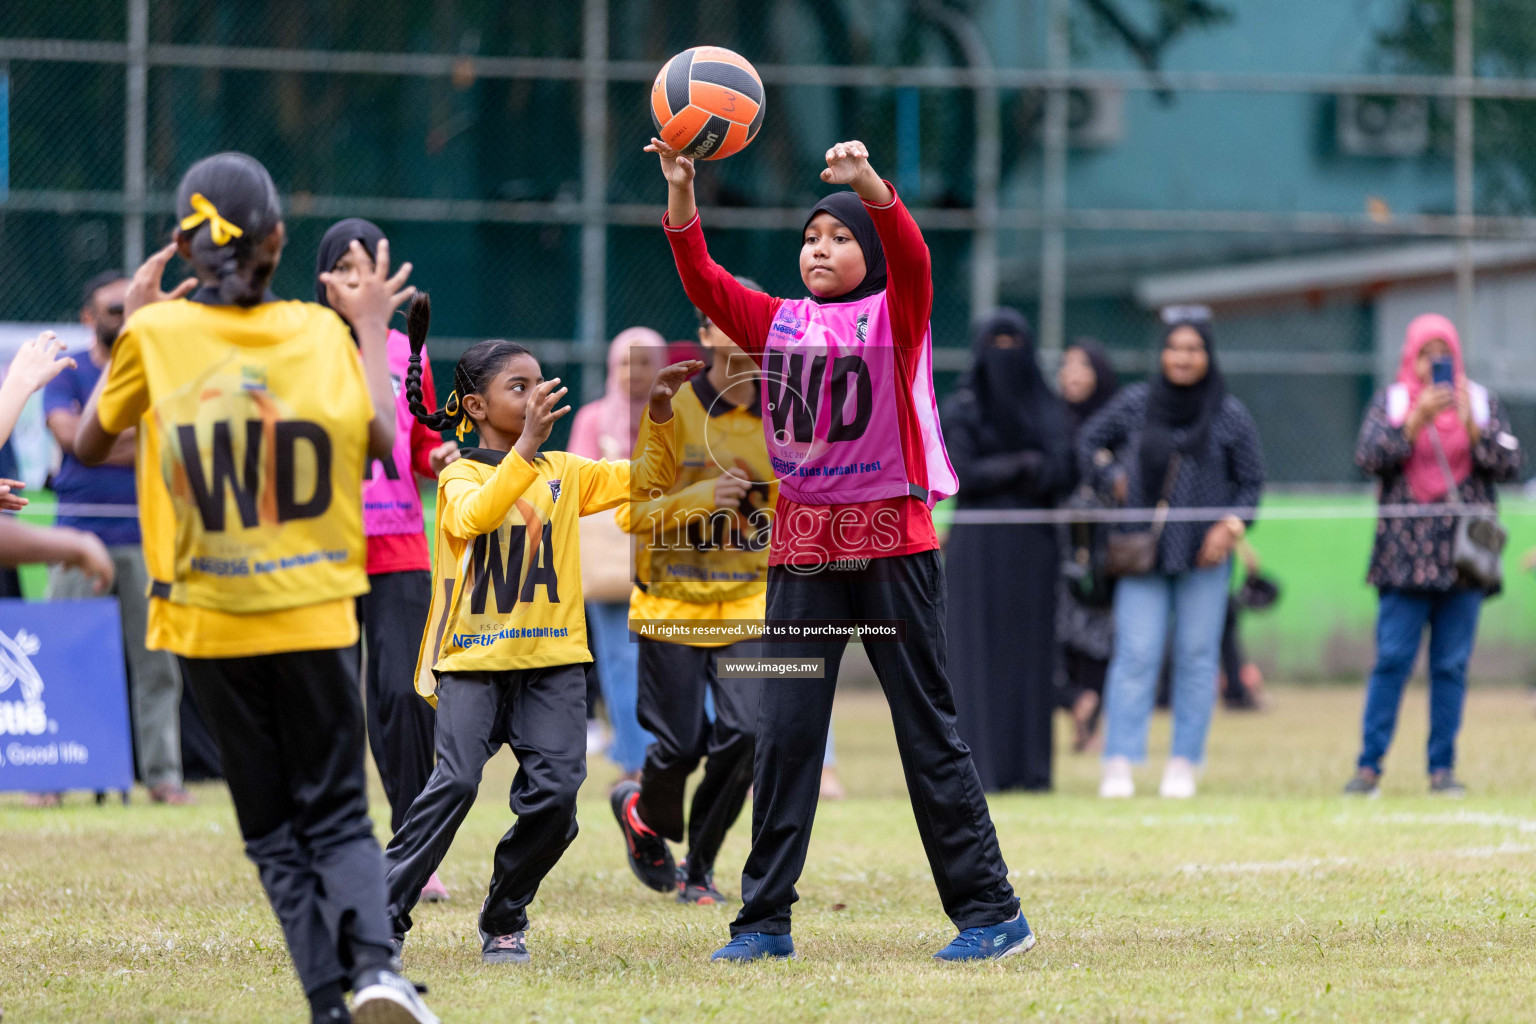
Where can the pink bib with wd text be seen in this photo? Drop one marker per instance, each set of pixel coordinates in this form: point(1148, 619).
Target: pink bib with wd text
point(391, 497)
point(831, 407)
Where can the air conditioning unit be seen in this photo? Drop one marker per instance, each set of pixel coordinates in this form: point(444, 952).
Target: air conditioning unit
point(1392, 126)
point(1095, 117)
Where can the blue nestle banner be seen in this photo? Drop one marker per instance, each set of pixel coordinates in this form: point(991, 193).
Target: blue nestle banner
point(63, 697)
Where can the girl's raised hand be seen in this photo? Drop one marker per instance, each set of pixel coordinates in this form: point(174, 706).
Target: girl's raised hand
point(676, 168)
point(540, 417)
point(443, 456)
point(37, 362)
point(144, 289)
point(847, 162)
point(376, 294)
point(668, 381)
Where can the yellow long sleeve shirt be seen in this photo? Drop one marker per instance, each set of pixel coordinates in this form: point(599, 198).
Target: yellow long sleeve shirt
point(696, 563)
point(506, 580)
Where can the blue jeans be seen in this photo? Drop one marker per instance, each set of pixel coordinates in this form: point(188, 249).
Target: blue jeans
point(618, 666)
point(1197, 600)
point(1452, 619)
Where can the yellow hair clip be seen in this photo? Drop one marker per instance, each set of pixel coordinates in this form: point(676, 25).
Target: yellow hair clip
point(451, 407)
point(223, 231)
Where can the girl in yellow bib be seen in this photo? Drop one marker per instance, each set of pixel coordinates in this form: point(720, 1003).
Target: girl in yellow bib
point(506, 638)
point(256, 421)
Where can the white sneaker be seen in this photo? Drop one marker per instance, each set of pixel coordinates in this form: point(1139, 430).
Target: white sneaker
point(386, 998)
point(1116, 782)
point(1178, 779)
point(597, 737)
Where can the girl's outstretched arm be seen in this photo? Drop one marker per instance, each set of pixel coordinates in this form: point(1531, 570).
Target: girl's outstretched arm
point(744, 315)
point(909, 267)
point(653, 470)
point(23, 544)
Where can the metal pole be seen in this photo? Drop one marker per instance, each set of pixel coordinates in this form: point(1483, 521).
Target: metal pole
point(134, 127)
point(591, 325)
point(1465, 220)
point(1053, 199)
point(987, 156)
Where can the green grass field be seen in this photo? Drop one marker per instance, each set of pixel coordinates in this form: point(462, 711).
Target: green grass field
point(1269, 897)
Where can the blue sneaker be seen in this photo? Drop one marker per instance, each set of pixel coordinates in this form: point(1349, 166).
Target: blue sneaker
point(755, 946)
point(991, 943)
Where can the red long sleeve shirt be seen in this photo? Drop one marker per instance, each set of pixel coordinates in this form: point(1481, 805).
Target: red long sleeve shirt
point(808, 534)
point(403, 552)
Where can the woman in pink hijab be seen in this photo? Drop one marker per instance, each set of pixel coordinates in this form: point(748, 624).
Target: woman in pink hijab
point(606, 429)
point(1430, 431)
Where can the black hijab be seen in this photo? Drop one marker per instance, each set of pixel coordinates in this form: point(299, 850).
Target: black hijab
point(333, 246)
point(1173, 408)
point(1105, 383)
point(1016, 404)
point(849, 208)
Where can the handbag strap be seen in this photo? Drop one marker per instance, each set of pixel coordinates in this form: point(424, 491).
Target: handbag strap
point(1160, 513)
point(1452, 489)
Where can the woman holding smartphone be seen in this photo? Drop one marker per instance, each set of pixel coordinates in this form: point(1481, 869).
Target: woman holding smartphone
point(1431, 431)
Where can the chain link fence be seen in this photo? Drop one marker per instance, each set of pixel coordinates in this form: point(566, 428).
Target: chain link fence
point(1262, 139)
point(1314, 170)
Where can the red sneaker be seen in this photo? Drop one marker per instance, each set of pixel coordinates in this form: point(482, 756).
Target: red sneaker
point(169, 793)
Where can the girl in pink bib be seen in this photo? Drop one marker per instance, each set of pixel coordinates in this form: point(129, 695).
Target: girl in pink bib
point(394, 611)
point(853, 436)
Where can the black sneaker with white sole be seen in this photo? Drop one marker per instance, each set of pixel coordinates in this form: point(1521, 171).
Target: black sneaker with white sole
point(504, 949)
point(383, 997)
point(649, 856)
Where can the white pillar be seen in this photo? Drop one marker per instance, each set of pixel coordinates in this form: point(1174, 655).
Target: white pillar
point(1053, 199)
point(1465, 214)
point(134, 128)
point(987, 157)
point(591, 323)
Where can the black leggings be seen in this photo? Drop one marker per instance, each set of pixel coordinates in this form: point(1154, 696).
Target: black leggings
point(674, 680)
point(947, 800)
point(393, 615)
point(290, 735)
point(541, 714)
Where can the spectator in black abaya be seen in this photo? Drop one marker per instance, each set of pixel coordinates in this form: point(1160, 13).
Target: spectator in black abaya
point(1085, 622)
point(1006, 434)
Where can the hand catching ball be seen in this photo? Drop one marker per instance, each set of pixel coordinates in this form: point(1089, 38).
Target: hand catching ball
point(707, 103)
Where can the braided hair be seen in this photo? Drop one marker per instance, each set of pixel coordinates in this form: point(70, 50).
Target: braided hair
point(473, 374)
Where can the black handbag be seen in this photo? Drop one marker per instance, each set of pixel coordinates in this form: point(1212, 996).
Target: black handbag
point(1134, 552)
point(1478, 547)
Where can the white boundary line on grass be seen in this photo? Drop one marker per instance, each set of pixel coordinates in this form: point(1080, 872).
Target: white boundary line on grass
point(1524, 826)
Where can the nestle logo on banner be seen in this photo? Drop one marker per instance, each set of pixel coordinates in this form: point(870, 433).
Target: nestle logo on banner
point(19, 678)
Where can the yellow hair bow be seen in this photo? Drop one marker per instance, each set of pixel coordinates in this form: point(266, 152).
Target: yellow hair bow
point(452, 408)
point(223, 231)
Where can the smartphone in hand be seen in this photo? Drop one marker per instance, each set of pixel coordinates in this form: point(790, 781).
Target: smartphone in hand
point(1443, 371)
